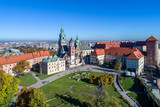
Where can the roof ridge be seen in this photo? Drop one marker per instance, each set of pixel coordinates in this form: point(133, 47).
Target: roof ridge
point(7, 60)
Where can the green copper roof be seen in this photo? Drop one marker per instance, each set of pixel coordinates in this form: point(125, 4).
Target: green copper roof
point(62, 30)
point(62, 36)
point(77, 41)
point(55, 56)
point(53, 59)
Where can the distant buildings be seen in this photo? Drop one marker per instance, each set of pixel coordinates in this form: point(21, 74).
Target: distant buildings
point(52, 65)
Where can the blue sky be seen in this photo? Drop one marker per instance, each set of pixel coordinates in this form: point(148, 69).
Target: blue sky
point(90, 19)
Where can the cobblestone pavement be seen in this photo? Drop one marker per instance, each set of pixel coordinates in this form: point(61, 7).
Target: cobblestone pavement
point(92, 68)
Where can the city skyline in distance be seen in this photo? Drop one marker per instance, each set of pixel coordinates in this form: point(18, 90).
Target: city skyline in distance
point(92, 20)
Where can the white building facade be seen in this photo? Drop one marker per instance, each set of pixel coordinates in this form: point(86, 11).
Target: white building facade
point(52, 65)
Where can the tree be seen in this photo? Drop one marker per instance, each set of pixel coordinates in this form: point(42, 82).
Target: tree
point(94, 79)
point(106, 79)
point(100, 98)
point(8, 88)
point(21, 67)
point(118, 65)
point(1, 69)
point(31, 97)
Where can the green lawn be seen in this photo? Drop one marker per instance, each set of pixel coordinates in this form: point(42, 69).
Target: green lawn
point(27, 80)
point(130, 84)
point(142, 99)
point(80, 88)
point(44, 76)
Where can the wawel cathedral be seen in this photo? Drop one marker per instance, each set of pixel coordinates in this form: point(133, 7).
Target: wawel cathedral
point(69, 52)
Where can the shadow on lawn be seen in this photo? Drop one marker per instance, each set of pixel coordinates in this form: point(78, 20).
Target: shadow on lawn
point(85, 80)
point(69, 99)
point(141, 97)
point(136, 86)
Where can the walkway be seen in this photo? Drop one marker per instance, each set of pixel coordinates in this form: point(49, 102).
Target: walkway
point(36, 77)
point(41, 83)
point(124, 93)
point(92, 68)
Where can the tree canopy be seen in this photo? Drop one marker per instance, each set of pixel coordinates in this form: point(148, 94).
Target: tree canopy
point(31, 97)
point(21, 67)
point(8, 88)
point(118, 65)
point(101, 99)
point(106, 79)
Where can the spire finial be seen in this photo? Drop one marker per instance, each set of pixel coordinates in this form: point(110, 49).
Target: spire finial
point(62, 30)
point(77, 37)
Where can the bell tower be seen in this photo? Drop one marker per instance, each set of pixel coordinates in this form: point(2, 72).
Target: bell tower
point(62, 40)
point(72, 51)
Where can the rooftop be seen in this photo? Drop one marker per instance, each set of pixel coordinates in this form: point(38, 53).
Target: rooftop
point(130, 53)
point(53, 59)
point(152, 38)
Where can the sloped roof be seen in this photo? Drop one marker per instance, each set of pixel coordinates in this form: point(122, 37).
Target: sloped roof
point(3, 61)
point(130, 53)
point(106, 45)
point(14, 59)
point(119, 51)
point(152, 38)
point(135, 55)
point(44, 53)
point(27, 56)
point(98, 52)
point(53, 59)
point(36, 54)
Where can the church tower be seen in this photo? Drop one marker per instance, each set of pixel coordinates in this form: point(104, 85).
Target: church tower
point(152, 51)
point(72, 51)
point(62, 40)
point(77, 53)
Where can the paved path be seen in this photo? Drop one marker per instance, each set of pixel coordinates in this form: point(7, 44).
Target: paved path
point(41, 83)
point(124, 93)
point(92, 68)
point(36, 77)
point(19, 87)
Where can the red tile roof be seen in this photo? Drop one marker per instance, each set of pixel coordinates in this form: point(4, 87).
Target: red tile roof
point(133, 53)
point(27, 56)
point(14, 59)
point(152, 38)
point(36, 54)
point(44, 53)
point(3, 61)
point(106, 45)
point(98, 52)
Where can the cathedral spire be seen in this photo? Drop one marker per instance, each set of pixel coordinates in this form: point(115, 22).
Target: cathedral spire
point(62, 30)
point(77, 41)
point(62, 36)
